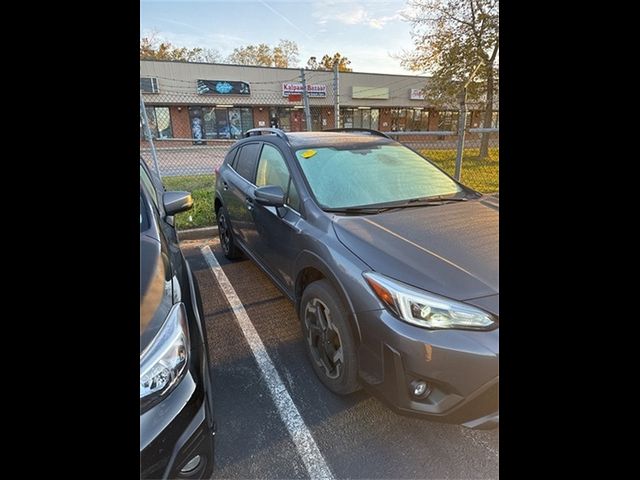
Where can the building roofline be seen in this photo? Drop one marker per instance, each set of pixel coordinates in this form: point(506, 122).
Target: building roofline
point(282, 68)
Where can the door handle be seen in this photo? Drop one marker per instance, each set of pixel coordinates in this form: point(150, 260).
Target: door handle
point(225, 185)
point(249, 203)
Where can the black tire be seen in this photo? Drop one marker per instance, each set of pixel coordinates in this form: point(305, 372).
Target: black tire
point(229, 248)
point(331, 348)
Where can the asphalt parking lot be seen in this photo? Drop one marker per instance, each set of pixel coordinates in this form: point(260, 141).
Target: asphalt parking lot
point(357, 435)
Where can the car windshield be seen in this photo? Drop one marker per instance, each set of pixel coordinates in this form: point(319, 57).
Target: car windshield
point(377, 174)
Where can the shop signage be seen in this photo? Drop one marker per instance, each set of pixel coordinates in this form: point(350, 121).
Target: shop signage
point(222, 87)
point(373, 93)
point(416, 94)
point(317, 91)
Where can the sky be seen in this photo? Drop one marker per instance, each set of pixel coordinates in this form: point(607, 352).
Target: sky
point(366, 32)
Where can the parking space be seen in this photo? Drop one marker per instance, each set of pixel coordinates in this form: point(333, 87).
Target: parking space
point(357, 435)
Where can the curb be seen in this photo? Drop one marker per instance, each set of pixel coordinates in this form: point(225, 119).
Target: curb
point(197, 233)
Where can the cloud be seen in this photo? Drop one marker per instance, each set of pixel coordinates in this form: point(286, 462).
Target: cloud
point(352, 13)
point(286, 19)
point(181, 24)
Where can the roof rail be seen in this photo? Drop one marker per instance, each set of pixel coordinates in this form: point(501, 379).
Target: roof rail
point(261, 131)
point(356, 130)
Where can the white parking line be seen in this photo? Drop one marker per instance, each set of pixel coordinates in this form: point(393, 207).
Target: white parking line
point(309, 452)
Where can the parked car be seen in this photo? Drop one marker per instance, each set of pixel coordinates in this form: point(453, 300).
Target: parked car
point(392, 264)
point(176, 412)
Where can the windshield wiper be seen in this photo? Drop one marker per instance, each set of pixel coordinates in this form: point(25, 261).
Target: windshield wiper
point(356, 210)
point(437, 198)
point(420, 202)
point(383, 207)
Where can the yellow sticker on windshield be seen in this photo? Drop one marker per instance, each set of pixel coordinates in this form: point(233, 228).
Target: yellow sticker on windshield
point(308, 153)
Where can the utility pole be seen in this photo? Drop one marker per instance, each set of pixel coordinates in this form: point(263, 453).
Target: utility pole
point(307, 112)
point(336, 95)
point(147, 133)
point(462, 122)
point(462, 119)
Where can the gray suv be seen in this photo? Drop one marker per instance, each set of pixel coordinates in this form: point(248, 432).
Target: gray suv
point(392, 264)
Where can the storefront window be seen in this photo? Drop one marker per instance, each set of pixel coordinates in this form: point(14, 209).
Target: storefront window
point(291, 119)
point(375, 115)
point(159, 122)
point(212, 122)
point(346, 117)
point(359, 118)
point(196, 121)
point(409, 119)
point(448, 121)
point(246, 119)
point(417, 120)
point(398, 119)
point(209, 122)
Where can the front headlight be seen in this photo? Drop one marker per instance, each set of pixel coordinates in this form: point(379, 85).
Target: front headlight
point(426, 309)
point(165, 359)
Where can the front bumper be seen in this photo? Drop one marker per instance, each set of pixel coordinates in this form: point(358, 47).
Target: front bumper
point(461, 369)
point(176, 430)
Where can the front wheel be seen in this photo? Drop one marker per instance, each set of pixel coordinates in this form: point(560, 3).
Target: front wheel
point(229, 247)
point(328, 338)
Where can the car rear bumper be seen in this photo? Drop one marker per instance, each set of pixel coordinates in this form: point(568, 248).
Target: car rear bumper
point(460, 368)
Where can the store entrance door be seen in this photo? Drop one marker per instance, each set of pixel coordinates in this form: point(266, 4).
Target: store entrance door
point(297, 118)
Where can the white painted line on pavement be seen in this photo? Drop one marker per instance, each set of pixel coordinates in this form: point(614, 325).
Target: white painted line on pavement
point(309, 452)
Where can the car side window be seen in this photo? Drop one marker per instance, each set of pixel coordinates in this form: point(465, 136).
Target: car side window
point(149, 186)
point(293, 199)
point(231, 158)
point(272, 170)
point(246, 160)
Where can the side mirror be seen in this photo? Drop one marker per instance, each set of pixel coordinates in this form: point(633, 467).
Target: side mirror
point(176, 202)
point(270, 195)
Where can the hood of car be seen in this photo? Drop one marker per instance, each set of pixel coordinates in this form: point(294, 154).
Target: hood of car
point(448, 249)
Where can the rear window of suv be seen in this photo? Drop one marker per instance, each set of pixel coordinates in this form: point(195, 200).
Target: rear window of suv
point(246, 160)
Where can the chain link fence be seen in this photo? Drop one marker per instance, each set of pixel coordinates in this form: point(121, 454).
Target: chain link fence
point(479, 172)
point(187, 127)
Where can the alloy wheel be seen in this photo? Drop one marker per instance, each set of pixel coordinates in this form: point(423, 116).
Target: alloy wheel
point(323, 338)
point(223, 232)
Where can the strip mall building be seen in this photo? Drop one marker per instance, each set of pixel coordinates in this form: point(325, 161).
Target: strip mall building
point(213, 101)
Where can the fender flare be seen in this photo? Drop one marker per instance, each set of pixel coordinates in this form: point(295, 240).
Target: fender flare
point(308, 259)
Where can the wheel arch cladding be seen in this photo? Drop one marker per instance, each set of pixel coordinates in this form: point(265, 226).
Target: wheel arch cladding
point(311, 268)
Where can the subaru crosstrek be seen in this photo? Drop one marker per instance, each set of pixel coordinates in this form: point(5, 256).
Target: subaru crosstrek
point(392, 264)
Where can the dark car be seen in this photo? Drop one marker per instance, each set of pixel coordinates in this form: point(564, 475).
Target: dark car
point(176, 412)
point(392, 264)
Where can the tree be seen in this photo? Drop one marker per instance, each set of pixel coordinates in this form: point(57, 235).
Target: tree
point(451, 38)
point(283, 55)
point(153, 49)
point(328, 62)
point(312, 63)
point(210, 55)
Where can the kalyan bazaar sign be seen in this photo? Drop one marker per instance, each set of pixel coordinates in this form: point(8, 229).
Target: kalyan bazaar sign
point(317, 91)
